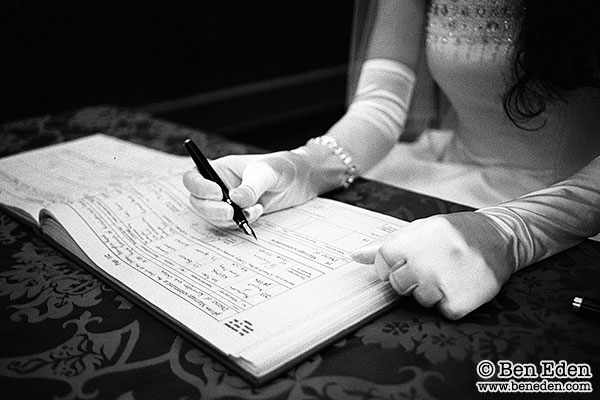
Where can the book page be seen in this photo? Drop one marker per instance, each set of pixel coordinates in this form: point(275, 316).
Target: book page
point(226, 287)
point(33, 180)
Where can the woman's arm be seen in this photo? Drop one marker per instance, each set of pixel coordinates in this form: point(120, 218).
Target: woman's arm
point(377, 113)
point(460, 261)
point(397, 32)
point(550, 220)
point(359, 140)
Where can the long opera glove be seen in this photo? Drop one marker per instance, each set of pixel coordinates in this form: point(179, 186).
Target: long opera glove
point(460, 261)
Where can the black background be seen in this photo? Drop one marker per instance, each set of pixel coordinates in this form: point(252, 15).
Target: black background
point(62, 55)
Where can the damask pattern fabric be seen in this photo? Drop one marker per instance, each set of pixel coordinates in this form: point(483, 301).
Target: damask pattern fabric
point(67, 335)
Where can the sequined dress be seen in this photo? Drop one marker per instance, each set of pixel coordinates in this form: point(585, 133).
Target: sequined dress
point(482, 158)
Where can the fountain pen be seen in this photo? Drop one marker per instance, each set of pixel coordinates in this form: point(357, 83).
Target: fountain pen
point(586, 306)
point(207, 171)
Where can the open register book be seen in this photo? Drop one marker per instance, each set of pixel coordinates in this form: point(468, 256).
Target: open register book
point(261, 306)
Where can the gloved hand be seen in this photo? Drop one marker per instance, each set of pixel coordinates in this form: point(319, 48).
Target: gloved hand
point(456, 262)
point(361, 138)
point(264, 183)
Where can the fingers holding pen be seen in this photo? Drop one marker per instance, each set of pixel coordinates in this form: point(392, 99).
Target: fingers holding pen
point(200, 187)
point(206, 197)
point(220, 213)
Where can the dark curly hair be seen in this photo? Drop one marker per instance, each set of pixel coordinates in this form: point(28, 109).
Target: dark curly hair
point(558, 51)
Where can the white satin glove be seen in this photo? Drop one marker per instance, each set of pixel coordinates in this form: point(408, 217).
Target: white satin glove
point(264, 183)
point(456, 262)
point(460, 261)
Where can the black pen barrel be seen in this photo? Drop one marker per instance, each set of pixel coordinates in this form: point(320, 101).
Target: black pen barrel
point(586, 306)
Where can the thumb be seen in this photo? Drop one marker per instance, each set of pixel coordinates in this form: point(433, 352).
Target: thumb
point(367, 253)
point(257, 178)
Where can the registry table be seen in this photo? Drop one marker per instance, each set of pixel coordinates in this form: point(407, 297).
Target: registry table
point(66, 335)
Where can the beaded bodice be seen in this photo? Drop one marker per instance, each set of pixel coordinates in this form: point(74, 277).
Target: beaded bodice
point(492, 23)
point(470, 54)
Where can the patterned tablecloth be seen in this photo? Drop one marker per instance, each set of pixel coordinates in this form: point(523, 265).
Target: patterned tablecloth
point(66, 335)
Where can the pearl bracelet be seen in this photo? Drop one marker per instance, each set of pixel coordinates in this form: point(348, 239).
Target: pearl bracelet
point(339, 152)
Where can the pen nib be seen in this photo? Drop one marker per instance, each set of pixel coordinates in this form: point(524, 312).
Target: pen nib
point(248, 230)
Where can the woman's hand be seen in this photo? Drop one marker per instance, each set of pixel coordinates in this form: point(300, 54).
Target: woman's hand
point(456, 262)
point(262, 183)
point(259, 183)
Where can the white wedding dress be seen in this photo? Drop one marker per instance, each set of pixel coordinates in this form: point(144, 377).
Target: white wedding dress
point(481, 158)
